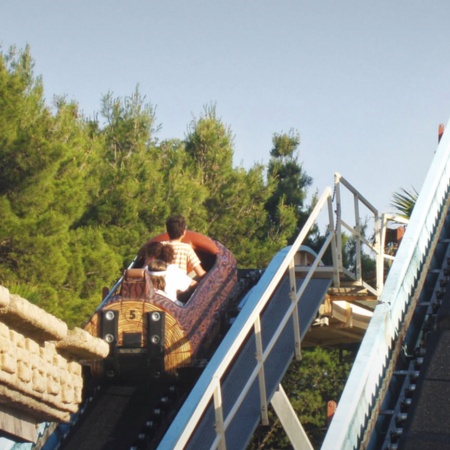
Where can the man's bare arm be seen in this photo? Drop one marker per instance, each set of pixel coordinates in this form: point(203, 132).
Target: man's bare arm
point(199, 271)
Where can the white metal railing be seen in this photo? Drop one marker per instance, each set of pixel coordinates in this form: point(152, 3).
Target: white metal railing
point(209, 385)
point(375, 245)
point(359, 398)
point(356, 231)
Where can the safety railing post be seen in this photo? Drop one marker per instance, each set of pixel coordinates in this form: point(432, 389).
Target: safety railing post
point(334, 254)
point(338, 223)
point(357, 236)
point(380, 242)
point(220, 431)
point(261, 375)
point(296, 322)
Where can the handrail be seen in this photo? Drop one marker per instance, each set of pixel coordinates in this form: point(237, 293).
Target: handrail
point(376, 246)
point(359, 399)
point(209, 385)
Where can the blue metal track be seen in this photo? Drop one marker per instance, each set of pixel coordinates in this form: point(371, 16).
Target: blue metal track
point(248, 415)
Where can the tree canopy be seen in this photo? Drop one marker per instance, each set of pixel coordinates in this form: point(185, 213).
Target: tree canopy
point(80, 195)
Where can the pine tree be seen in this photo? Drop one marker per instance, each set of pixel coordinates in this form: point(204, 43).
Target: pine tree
point(289, 181)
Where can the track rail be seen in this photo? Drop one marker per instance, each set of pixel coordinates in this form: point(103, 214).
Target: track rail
point(396, 406)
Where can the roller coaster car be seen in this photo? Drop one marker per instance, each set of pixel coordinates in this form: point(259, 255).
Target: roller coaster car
point(149, 335)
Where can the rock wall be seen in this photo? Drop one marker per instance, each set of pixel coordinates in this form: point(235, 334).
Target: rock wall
point(40, 362)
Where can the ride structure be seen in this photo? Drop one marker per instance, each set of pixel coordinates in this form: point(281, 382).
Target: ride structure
point(395, 397)
point(318, 298)
point(296, 292)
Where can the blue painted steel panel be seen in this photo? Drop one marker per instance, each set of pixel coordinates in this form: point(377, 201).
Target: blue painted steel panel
point(248, 416)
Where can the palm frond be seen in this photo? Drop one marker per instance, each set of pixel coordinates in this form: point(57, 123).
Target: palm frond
point(404, 202)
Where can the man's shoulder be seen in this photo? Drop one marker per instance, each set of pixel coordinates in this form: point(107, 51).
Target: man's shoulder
point(182, 245)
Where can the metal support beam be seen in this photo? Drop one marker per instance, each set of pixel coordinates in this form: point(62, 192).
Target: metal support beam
point(289, 420)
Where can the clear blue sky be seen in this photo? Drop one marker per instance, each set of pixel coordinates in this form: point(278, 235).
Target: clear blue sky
point(366, 84)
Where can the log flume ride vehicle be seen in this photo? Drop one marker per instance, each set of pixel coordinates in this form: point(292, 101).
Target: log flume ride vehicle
point(150, 335)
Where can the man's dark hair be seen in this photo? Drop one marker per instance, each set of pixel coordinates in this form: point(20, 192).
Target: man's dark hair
point(175, 226)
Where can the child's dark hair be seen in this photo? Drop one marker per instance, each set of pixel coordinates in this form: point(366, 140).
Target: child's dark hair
point(167, 253)
point(158, 250)
point(153, 250)
point(159, 281)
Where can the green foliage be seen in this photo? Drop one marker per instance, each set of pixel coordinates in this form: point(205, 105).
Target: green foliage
point(31, 293)
point(210, 145)
point(24, 150)
point(234, 210)
point(130, 125)
point(289, 181)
